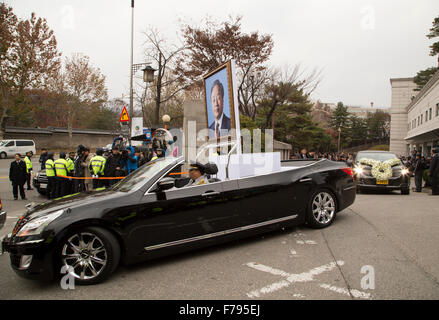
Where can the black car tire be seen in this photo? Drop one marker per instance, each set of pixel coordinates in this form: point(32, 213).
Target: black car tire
point(358, 189)
point(112, 250)
point(3, 155)
point(40, 191)
point(311, 220)
point(405, 191)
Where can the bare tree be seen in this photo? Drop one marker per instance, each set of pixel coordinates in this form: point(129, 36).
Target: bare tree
point(214, 44)
point(167, 85)
point(84, 85)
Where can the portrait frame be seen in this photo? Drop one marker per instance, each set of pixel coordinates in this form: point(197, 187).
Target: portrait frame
point(229, 92)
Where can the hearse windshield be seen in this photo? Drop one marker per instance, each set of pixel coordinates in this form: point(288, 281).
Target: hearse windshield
point(380, 156)
point(138, 178)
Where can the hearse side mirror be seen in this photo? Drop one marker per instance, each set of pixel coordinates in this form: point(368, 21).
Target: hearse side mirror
point(165, 184)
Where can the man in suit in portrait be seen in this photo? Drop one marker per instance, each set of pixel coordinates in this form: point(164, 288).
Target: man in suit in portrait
point(221, 124)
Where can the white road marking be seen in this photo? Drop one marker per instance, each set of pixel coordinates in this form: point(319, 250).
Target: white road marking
point(11, 217)
point(312, 242)
point(293, 252)
point(355, 293)
point(290, 278)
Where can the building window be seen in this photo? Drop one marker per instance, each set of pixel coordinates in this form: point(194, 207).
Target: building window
point(437, 109)
point(426, 115)
point(422, 118)
point(419, 120)
point(429, 116)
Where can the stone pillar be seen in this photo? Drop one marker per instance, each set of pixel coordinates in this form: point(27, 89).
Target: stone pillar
point(402, 92)
point(194, 120)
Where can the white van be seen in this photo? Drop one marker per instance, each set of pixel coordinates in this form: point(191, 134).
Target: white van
point(8, 148)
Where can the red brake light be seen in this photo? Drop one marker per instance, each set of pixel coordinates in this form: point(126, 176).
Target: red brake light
point(348, 171)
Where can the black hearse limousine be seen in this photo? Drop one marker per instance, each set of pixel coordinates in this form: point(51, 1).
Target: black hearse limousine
point(149, 215)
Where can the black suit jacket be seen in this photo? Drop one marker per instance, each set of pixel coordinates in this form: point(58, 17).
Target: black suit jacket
point(17, 172)
point(434, 166)
point(225, 125)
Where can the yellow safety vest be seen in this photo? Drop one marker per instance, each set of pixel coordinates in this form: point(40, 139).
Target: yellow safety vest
point(97, 165)
point(70, 164)
point(50, 171)
point(154, 158)
point(28, 164)
point(61, 167)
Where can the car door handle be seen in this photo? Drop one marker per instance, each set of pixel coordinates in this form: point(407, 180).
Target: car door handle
point(305, 179)
point(210, 193)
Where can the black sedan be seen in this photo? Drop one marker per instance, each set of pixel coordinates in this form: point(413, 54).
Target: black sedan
point(150, 214)
point(40, 182)
point(381, 170)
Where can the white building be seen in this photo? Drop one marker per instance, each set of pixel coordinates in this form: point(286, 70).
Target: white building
point(423, 119)
point(414, 116)
point(361, 112)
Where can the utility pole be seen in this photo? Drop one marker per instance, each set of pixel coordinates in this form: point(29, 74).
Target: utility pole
point(131, 67)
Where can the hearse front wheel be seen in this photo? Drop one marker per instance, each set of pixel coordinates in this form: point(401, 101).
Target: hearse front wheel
point(322, 209)
point(90, 255)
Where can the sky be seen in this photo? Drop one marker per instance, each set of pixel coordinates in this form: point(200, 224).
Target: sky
point(358, 45)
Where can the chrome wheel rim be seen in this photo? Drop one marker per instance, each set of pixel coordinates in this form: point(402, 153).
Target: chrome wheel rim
point(84, 256)
point(323, 207)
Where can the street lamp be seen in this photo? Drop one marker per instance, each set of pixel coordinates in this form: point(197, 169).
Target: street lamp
point(339, 131)
point(166, 119)
point(148, 74)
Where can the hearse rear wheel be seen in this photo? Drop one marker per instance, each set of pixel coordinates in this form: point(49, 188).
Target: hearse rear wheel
point(322, 209)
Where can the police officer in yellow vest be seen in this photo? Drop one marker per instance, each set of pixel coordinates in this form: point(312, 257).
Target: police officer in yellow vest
point(28, 162)
point(51, 176)
point(61, 169)
point(96, 167)
point(71, 166)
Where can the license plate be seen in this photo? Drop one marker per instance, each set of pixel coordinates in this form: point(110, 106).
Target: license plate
point(43, 185)
point(382, 181)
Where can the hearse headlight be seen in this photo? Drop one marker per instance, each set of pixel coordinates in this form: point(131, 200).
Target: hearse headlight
point(358, 170)
point(36, 226)
point(404, 172)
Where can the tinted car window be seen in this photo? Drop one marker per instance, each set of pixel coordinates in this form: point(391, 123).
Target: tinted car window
point(376, 156)
point(10, 144)
point(25, 143)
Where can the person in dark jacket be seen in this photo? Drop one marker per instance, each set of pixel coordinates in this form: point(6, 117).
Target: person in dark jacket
point(434, 172)
point(113, 166)
point(303, 154)
point(43, 158)
point(419, 167)
point(79, 184)
point(18, 175)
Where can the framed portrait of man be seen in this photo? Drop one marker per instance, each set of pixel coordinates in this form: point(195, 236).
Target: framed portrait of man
point(220, 109)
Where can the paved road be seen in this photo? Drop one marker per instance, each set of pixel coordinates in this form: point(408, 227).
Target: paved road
point(393, 234)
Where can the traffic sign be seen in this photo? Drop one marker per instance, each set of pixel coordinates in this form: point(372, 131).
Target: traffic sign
point(124, 115)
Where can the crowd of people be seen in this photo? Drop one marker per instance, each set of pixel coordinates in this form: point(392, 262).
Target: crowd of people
point(339, 157)
point(423, 169)
point(81, 170)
